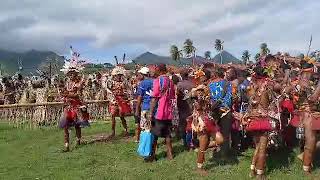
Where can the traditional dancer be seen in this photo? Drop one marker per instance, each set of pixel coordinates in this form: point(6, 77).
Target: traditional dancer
point(221, 99)
point(120, 104)
point(308, 111)
point(257, 120)
point(75, 112)
point(203, 125)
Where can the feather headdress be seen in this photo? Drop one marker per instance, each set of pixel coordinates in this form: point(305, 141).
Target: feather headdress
point(74, 64)
point(118, 70)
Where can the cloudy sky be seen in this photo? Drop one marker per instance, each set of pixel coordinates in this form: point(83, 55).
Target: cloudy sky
point(100, 29)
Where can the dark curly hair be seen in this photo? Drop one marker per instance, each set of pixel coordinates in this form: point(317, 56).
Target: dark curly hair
point(219, 72)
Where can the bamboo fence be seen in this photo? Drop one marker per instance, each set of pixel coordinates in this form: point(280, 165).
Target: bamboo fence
point(47, 114)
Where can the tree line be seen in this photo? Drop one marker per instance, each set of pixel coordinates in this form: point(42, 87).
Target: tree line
point(188, 50)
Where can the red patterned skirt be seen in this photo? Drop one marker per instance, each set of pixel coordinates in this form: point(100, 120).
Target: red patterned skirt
point(74, 116)
point(260, 124)
point(120, 108)
point(210, 126)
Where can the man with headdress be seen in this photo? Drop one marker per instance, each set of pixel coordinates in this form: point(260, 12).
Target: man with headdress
point(203, 125)
point(119, 99)
point(221, 99)
point(308, 98)
point(75, 112)
point(259, 119)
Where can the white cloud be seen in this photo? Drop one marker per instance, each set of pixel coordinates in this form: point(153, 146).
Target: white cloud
point(242, 24)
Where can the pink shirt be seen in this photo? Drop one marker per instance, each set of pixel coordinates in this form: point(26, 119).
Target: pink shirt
point(163, 89)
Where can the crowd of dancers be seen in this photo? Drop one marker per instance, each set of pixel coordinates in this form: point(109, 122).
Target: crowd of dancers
point(209, 107)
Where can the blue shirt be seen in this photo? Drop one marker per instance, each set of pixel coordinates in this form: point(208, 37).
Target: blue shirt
point(145, 91)
point(217, 93)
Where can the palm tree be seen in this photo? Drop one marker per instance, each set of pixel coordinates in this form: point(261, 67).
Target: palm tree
point(189, 49)
point(257, 56)
point(207, 55)
point(246, 56)
point(219, 47)
point(264, 50)
point(176, 54)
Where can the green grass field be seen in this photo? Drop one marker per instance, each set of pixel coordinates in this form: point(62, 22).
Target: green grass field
point(36, 154)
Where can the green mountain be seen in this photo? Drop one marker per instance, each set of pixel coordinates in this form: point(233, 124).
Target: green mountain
point(150, 58)
point(226, 58)
point(30, 61)
point(33, 60)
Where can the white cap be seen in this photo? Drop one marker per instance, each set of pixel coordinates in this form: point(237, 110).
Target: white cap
point(144, 70)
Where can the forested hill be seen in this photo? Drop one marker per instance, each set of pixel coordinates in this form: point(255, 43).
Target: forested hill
point(30, 61)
